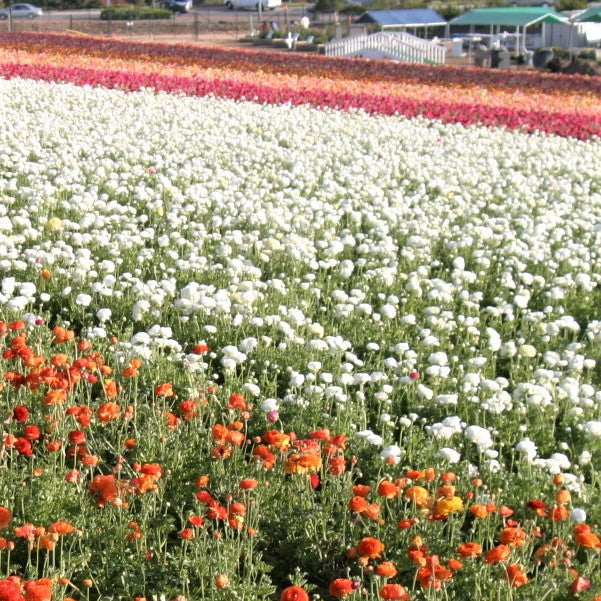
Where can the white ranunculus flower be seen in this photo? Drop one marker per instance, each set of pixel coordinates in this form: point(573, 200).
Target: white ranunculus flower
point(84, 300)
point(593, 428)
point(392, 453)
point(449, 455)
point(103, 315)
point(578, 515)
point(479, 436)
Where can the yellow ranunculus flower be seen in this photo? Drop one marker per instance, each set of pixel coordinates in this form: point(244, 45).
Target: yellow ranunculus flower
point(447, 506)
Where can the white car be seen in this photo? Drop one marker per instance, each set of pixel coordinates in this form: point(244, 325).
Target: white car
point(254, 4)
point(21, 11)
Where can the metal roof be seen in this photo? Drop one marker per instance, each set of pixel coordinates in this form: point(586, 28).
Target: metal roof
point(408, 17)
point(592, 15)
point(510, 16)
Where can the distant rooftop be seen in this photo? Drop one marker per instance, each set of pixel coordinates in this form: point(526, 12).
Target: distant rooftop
point(408, 17)
point(592, 15)
point(510, 16)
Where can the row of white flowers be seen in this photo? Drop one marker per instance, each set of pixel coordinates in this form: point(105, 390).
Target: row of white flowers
point(445, 277)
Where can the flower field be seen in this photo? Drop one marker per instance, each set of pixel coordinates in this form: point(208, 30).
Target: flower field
point(286, 328)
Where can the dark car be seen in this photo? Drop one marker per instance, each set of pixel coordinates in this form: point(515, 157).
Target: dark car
point(177, 6)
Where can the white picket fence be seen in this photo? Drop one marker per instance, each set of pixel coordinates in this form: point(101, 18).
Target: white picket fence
point(399, 46)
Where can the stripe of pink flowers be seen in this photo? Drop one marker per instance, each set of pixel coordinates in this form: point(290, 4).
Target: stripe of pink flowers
point(572, 125)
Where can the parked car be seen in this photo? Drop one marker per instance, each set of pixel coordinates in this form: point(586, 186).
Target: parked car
point(177, 6)
point(21, 11)
point(265, 4)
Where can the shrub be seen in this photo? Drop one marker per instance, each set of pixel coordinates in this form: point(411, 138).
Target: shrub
point(133, 13)
point(560, 52)
point(352, 9)
point(570, 5)
point(449, 11)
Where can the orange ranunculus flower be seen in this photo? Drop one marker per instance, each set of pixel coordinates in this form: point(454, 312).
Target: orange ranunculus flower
point(144, 483)
point(302, 464)
point(104, 488)
point(388, 489)
point(361, 490)
point(372, 512)
point(514, 537)
point(515, 575)
point(358, 504)
point(38, 590)
point(110, 388)
point(337, 465)
point(428, 474)
point(323, 434)
point(237, 401)
point(202, 481)
point(307, 445)
point(479, 511)
point(497, 554)
point(448, 477)
point(165, 390)
point(563, 496)
point(55, 397)
point(419, 496)
point(386, 569)
point(370, 547)
point(470, 549)
point(47, 541)
point(394, 592)
point(447, 491)
point(341, 587)
point(132, 370)
point(236, 438)
point(108, 411)
point(220, 433)
point(10, 589)
point(587, 539)
point(5, 517)
point(432, 574)
point(277, 439)
point(221, 451)
point(61, 527)
point(62, 335)
point(262, 453)
point(188, 409)
point(558, 513)
point(294, 593)
point(59, 360)
point(248, 484)
point(27, 531)
point(152, 469)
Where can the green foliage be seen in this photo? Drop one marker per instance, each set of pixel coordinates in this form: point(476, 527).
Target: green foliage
point(134, 13)
point(328, 6)
point(352, 9)
point(65, 4)
point(449, 11)
point(570, 5)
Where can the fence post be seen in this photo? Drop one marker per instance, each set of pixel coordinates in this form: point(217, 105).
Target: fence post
point(196, 26)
